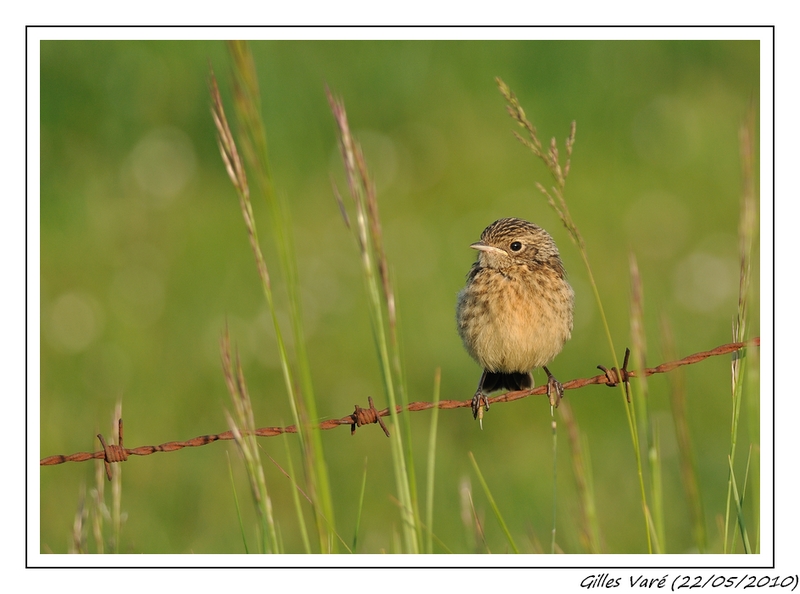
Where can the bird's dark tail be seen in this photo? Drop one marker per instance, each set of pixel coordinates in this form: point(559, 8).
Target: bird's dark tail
point(507, 381)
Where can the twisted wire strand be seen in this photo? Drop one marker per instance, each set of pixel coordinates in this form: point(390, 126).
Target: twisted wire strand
point(360, 416)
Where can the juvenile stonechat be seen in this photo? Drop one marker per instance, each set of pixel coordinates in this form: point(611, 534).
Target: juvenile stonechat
point(515, 312)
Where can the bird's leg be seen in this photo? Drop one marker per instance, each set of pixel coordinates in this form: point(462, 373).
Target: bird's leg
point(480, 399)
point(555, 391)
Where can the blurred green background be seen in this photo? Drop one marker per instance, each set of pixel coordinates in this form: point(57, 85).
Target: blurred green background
point(145, 258)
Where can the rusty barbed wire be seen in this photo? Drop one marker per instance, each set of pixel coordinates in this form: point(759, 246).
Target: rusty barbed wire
point(113, 453)
point(360, 416)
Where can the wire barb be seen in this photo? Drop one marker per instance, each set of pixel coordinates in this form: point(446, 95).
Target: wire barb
point(366, 416)
point(614, 376)
point(112, 453)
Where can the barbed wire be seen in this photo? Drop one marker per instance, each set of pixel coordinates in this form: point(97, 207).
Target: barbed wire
point(366, 416)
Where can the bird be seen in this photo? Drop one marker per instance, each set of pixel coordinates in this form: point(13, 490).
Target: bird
point(515, 312)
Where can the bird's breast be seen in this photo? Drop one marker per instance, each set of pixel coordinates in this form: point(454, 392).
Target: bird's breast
point(514, 322)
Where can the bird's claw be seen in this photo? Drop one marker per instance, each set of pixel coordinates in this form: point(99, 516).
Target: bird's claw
point(479, 403)
point(555, 391)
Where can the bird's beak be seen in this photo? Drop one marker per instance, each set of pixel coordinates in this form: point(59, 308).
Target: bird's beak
point(484, 247)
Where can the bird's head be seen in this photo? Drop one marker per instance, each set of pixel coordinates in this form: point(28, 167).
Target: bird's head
point(513, 242)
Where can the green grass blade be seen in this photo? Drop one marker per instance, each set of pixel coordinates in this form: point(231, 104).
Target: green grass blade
point(747, 230)
point(753, 410)
point(437, 380)
point(657, 490)
point(236, 503)
point(492, 504)
point(592, 524)
point(582, 471)
point(98, 505)
point(360, 506)
point(301, 522)
point(382, 313)
point(688, 463)
point(642, 418)
point(319, 516)
point(248, 107)
point(116, 485)
point(242, 425)
point(739, 512)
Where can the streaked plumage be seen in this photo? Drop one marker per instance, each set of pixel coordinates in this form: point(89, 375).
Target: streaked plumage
point(515, 312)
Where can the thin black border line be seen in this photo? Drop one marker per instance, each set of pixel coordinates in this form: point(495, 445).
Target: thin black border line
point(301, 567)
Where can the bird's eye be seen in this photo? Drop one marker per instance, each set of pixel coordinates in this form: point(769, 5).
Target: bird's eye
point(516, 246)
